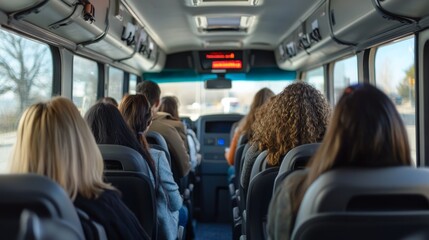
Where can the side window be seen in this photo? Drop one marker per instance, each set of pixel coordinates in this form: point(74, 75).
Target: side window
point(85, 81)
point(133, 84)
point(316, 78)
point(25, 78)
point(395, 75)
point(115, 86)
point(345, 73)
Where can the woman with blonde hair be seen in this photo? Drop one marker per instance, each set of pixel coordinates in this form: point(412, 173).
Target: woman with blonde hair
point(137, 113)
point(365, 131)
point(54, 140)
point(298, 115)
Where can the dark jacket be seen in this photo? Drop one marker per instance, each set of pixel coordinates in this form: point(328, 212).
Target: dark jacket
point(110, 212)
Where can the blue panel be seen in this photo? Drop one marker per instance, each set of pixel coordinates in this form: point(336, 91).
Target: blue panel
point(258, 74)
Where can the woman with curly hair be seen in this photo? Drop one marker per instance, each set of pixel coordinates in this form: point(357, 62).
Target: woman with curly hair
point(296, 116)
point(365, 131)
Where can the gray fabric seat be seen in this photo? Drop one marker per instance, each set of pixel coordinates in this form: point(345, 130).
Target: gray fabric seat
point(126, 169)
point(297, 158)
point(383, 203)
point(258, 198)
point(259, 164)
point(38, 194)
point(157, 141)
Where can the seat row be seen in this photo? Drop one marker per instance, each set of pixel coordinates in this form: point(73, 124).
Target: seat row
point(350, 203)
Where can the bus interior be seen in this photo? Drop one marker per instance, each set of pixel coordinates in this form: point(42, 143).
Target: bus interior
point(213, 55)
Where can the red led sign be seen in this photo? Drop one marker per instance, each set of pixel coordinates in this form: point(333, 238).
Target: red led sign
point(219, 55)
point(227, 64)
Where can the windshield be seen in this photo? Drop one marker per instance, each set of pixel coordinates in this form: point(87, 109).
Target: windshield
point(195, 100)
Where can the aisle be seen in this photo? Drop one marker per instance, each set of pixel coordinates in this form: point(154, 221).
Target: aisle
point(213, 231)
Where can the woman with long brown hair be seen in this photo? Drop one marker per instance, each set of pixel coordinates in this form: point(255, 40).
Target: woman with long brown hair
point(365, 131)
point(244, 126)
point(137, 113)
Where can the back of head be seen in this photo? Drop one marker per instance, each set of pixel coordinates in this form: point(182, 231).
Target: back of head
point(170, 104)
point(366, 131)
point(109, 127)
point(260, 98)
point(151, 90)
point(136, 111)
point(54, 140)
point(109, 100)
point(296, 116)
point(137, 114)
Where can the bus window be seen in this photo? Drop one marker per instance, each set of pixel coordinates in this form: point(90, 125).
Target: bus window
point(316, 78)
point(115, 87)
point(395, 75)
point(133, 84)
point(345, 73)
point(85, 80)
point(25, 78)
point(194, 100)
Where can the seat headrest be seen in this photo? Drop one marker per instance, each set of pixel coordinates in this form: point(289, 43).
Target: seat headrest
point(363, 189)
point(38, 194)
point(301, 153)
point(156, 138)
point(128, 158)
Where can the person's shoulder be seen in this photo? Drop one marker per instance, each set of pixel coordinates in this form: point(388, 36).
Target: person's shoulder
point(155, 153)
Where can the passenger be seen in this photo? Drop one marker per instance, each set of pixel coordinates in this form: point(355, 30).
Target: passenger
point(296, 116)
point(109, 127)
point(137, 113)
point(172, 130)
point(366, 131)
point(170, 104)
point(244, 126)
point(54, 140)
point(108, 100)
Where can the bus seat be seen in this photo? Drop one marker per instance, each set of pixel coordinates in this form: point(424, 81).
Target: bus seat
point(32, 227)
point(258, 165)
point(38, 194)
point(243, 139)
point(356, 203)
point(296, 158)
point(156, 139)
point(126, 169)
point(258, 198)
point(121, 158)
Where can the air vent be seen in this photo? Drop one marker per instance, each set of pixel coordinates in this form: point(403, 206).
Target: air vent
point(205, 3)
point(223, 44)
point(224, 23)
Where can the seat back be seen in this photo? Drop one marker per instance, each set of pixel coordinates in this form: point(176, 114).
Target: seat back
point(32, 227)
point(126, 170)
point(238, 157)
point(139, 196)
point(296, 158)
point(388, 203)
point(258, 199)
point(121, 158)
point(37, 194)
point(259, 164)
point(156, 138)
point(157, 141)
point(243, 139)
